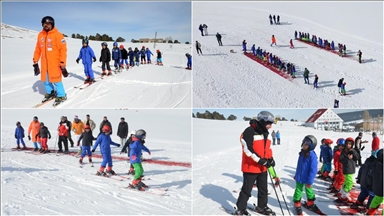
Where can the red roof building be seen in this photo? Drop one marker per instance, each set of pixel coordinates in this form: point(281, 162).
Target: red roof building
point(324, 119)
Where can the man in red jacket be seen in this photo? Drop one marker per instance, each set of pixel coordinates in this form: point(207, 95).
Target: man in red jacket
point(256, 159)
point(375, 142)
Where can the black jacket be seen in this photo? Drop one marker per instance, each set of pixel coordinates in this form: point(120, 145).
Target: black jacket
point(340, 82)
point(218, 36)
point(126, 145)
point(105, 123)
point(349, 165)
point(105, 55)
point(249, 132)
point(159, 55)
point(124, 54)
point(122, 130)
point(44, 133)
point(87, 138)
point(365, 176)
point(378, 176)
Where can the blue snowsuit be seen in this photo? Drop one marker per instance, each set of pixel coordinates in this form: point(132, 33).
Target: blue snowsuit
point(189, 62)
point(244, 46)
point(253, 49)
point(136, 151)
point(332, 45)
point(149, 53)
point(116, 56)
point(105, 142)
point(320, 42)
point(19, 135)
point(131, 55)
point(326, 154)
point(306, 168)
point(86, 55)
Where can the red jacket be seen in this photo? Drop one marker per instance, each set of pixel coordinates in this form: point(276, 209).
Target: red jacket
point(63, 130)
point(375, 143)
point(260, 148)
point(337, 164)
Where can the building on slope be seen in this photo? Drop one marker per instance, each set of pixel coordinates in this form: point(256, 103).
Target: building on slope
point(324, 119)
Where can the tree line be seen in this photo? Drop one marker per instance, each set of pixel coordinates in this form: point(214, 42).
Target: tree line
point(217, 116)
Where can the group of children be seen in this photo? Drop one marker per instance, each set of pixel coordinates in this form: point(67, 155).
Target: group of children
point(119, 55)
point(135, 144)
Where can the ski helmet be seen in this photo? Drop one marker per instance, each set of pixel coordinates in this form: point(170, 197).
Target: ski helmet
point(104, 44)
point(311, 141)
point(350, 139)
point(17, 123)
point(121, 46)
point(35, 118)
point(41, 123)
point(115, 44)
point(141, 134)
point(106, 129)
point(323, 140)
point(133, 132)
point(48, 19)
point(87, 127)
point(328, 141)
point(340, 141)
point(85, 41)
point(265, 117)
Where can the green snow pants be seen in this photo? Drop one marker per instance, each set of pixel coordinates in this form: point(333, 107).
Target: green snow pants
point(138, 170)
point(376, 202)
point(348, 183)
point(299, 192)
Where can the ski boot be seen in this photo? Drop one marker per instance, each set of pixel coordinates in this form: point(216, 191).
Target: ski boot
point(81, 161)
point(103, 74)
point(241, 212)
point(310, 205)
point(111, 172)
point(66, 152)
point(36, 149)
point(41, 150)
point(131, 171)
point(24, 147)
point(135, 184)
point(59, 100)
point(60, 151)
point(101, 173)
point(357, 205)
point(48, 97)
point(91, 81)
point(297, 206)
point(109, 73)
point(18, 147)
point(142, 183)
point(264, 211)
point(86, 80)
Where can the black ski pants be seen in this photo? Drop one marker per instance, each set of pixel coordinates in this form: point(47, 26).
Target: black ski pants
point(220, 43)
point(63, 140)
point(246, 191)
point(358, 162)
point(70, 138)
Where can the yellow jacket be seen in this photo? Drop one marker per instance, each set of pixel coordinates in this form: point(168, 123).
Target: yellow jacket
point(77, 128)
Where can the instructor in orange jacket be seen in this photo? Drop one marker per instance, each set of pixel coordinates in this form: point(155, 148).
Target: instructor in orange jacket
point(51, 48)
point(256, 159)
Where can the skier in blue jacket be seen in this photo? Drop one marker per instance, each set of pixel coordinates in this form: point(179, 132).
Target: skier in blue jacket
point(135, 158)
point(244, 46)
point(105, 142)
point(131, 55)
point(137, 56)
point(142, 55)
point(253, 49)
point(116, 55)
point(305, 174)
point(149, 53)
point(278, 137)
point(189, 62)
point(326, 156)
point(19, 135)
point(86, 55)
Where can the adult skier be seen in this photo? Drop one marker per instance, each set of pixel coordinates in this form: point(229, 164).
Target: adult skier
point(63, 139)
point(103, 123)
point(201, 29)
point(244, 46)
point(34, 128)
point(274, 19)
point(205, 28)
point(198, 48)
point(358, 146)
point(218, 37)
point(270, 19)
point(257, 158)
point(306, 76)
point(86, 55)
point(377, 184)
point(291, 44)
point(88, 121)
point(359, 53)
point(278, 19)
point(340, 83)
point(273, 40)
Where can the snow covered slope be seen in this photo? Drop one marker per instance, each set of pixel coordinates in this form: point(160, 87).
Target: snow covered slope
point(224, 79)
point(146, 86)
point(217, 164)
point(49, 184)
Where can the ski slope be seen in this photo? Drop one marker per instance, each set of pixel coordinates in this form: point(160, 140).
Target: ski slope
point(146, 86)
point(223, 79)
point(50, 185)
point(217, 165)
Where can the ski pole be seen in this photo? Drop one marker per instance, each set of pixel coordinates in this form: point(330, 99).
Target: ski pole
point(286, 205)
point(273, 185)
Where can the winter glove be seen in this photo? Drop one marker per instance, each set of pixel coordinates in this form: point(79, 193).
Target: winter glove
point(100, 59)
point(78, 143)
point(29, 137)
point(277, 181)
point(271, 162)
point(308, 185)
point(94, 59)
point(63, 69)
point(118, 145)
point(263, 162)
point(36, 69)
point(149, 153)
point(15, 136)
point(49, 137)
point(93, 150)
point(335, 172)
point(77, 60)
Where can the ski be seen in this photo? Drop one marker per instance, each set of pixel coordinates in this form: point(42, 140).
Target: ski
point(319, 212)
point(86, 86)
point(228, 211)
point(42, 103)
point(111, 177)
point(155, 191)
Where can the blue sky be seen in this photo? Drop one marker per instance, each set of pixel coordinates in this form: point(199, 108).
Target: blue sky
point(297, 114)
point(126, 19)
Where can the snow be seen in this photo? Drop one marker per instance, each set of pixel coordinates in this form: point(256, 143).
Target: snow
point(217, 164)
point(223, 79)
point(146, 86)
point(48, 184)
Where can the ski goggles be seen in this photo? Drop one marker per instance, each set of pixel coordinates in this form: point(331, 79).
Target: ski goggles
point(307, 141)
point(266, 118)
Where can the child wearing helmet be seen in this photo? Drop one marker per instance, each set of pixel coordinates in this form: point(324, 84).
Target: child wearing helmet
point(137, 56)
point(148, 53)
point(159, 60)
point(189, 61)
point(124, 150)
point(86, 55)
point(338, 171)
point(124, 57)
point(44, 135)
point(105, 58)
point(305, 175)
point(87, 138)
point(348, 158)
point(135, 158)
point(19, 135)
point(131, 55)
point(116, 55)
point(343, 91)
point(105, 142)
point(142, 55)
point(326, 156)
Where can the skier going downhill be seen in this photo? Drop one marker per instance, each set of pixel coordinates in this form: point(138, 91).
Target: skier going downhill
point(87, 55)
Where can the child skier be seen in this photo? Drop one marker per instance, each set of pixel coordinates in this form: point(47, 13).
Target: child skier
point(137, 57)
point(273, 40)
point(34, 127)
point(87, 138)
point(44, 135)
point(124, 150)
point(149, 53)
point(86, 55)
point(359, 53)
point(326, 155)
point(377, 184)
point(19, 135)
point(131, 55)
point(105, 142)
point(244, 46)
point(63, 133)
point(116, 55)
point(291, 44)
point(159, 60)
point(305, 174)
point(189, 62)
point(343, 91)
point(142, 55)
point(135, 158)
point(348, 158)
point(105, 58)
point(316, 81)
point(338, 172)
point(124, 57)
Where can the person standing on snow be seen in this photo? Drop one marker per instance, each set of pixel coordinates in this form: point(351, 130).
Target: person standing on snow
point(44, 135)
point(278, 19)
point(358, 146)
point(19, 135)
point(86, 55)
point(34, 127)
point(105, 58)
point(205, 28)
point(51, 48)
point(105, 142)
point(377, 188)
point(131, 55)
point(306, 76)
point(122, 130)
point(189, 61)
point(257, 157)
point(63, 133)
point(359, 53)
point(198, 48)
point(78, 129)
point(159, 59)
point(270, 19)
point(339, 84)
point(88, 121)
point(149, 53)
point(218, 37)
point(273, 40)
point(142, 55)
point(124, 57)
point(343, 91)
point(306, 170)
point(244, 46)
point(135, 158)
point(338, 175)
point(87, 138)
point(375, 142)
point(273, 134)
point(131, 134)
point(116, 55)
point(278, 137)
point(291, 44)
point(316, 81)
point(201, 29)
point(274, 19)
point(103, 123)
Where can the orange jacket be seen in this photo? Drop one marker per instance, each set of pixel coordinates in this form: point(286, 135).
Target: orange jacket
point(34, 127)
point(249, 160)
point(78, 128)
point(52, 49)
point(273, 40)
